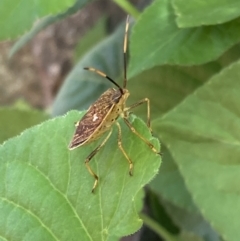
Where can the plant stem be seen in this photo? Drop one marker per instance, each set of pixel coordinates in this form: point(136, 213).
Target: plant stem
point(128, 7)
point(163, 233)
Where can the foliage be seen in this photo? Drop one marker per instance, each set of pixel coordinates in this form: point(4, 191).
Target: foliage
point(183, 56)
point(50, 189)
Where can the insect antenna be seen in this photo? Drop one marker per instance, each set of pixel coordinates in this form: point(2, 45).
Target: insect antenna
point(125, 52)
point(105, 76)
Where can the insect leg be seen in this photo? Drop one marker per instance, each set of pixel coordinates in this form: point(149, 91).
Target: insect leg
point(122, 150)
point(140, 102)
point(125, 52)
point(140, 136)
point(91, 155)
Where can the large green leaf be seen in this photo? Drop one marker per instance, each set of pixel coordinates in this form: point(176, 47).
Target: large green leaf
point(17, 16)
point(14, 120)
point(45, 188)
point(156, 40)
point(166, 86)
point(202, 135)
point(195, 13)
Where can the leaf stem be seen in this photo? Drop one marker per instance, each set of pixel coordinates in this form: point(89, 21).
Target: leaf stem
point(163, 233)
point(128, 7)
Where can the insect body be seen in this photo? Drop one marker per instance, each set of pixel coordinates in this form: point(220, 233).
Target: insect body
point(103, 113)
point(99, 117)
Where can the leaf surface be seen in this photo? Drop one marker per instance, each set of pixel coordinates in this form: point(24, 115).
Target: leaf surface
point(45, 189)
point(197, 13)
point(202, 135)
point(157, 40)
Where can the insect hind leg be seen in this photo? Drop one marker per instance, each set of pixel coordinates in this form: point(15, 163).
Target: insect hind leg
point(122, 150)
point(140, 102)
point(140, 136)
point(91, 155)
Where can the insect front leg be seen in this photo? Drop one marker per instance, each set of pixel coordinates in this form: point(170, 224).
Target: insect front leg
point(91, 155)
point(123, 151)
point(140, 136)
point(140, 102)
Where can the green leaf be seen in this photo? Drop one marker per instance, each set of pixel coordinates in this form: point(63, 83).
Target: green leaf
point(45, 188)
point(17, 16)
point(202, 135)
point(196, 13)
point(156, 40)
point(82, 87)
point(43, 23)
point(13, 121)
point(167, 86)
